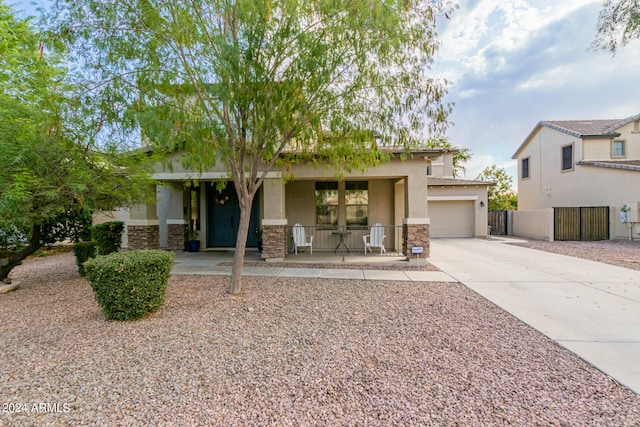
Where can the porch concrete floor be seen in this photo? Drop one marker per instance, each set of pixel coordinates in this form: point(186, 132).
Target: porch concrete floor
point(216, 262)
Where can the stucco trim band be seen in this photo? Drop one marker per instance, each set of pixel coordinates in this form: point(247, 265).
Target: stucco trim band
point(450, 198)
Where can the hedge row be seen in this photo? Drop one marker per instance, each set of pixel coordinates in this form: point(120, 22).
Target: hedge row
point(106, 239)
point(108, 236)
point(84, 251)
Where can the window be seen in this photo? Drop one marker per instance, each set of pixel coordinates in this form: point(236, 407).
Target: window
point(525, 168)
point(429, 170)
point(356, 200)
point(356, 203)
point(618, 149)
point(636, 126)
point(567, 157)
point(327, 204)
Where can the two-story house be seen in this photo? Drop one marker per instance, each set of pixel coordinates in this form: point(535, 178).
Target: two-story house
point(582, 163)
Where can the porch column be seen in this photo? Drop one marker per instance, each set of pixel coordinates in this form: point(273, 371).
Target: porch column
point(142, 227)
point(274, 222)
point(174, 222)
point(415, 226)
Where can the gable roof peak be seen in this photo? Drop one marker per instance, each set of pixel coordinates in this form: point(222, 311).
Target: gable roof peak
point(580, 128)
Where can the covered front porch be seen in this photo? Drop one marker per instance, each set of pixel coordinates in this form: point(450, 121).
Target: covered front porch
point(343, 215)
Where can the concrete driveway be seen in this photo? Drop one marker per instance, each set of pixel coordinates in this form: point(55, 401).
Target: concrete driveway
point(590, 308)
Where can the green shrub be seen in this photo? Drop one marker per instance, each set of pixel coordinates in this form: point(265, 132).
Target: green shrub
point(108, 236)
point(84, 251)
point(128, 285)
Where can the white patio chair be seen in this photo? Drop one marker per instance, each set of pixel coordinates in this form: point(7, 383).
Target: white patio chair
point(375, 239)
point(300, 239)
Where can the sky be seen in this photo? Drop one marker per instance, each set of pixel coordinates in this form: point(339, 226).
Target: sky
point(514, 63)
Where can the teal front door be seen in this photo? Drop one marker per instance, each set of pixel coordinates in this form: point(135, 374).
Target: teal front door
point(223, 217)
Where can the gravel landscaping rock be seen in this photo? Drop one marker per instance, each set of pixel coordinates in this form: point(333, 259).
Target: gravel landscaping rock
point(623, 253)
point(9, 287)
point(288, 352)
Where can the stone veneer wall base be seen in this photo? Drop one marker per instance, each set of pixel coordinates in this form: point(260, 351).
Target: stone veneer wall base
point(175, 237)
point(274, 242)
point(143, 236)
point(415, 235)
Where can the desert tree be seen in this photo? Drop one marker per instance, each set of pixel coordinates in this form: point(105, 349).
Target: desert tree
point(53, 174)
point(256, 85)
point(501, 196)
point(618, 23)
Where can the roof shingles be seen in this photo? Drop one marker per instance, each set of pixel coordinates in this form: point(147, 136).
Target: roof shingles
point(580, 128)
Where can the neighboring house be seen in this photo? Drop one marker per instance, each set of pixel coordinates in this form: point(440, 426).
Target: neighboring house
point(393, 194)
point(582, 163)
point(457, 207)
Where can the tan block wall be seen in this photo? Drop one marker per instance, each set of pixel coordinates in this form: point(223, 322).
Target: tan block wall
point(534, 224)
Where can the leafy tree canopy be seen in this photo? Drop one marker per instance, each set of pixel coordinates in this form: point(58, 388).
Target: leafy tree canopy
point(501, 196)
point(243, 82)
point(51, 172)
point(618, 22)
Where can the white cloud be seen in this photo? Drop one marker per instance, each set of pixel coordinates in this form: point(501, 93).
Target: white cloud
point(516, 63)
point(469, 93)
point(551, 78)
point(478, 39)
point(479, 162)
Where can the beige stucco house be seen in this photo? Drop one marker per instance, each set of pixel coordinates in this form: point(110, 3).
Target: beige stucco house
point(457, 207)
point(582, 163)
point(392, 194)
point(338, 213)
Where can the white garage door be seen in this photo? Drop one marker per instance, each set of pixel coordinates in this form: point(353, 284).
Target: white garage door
point(452, 218)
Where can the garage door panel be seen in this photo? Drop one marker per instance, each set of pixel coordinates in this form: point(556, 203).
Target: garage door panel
point(455, 218)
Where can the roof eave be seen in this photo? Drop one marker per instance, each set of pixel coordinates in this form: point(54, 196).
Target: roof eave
point(601, 136)
point(526, 140)
point(623, 122)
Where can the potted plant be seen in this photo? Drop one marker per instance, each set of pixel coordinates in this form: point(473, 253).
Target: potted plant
point(258, 234)
point(192, 244)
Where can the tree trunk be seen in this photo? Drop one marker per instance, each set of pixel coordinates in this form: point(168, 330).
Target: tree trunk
point(245, 202)
point(16, 258)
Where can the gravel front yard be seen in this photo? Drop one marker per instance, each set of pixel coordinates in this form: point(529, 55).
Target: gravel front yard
point(288, 352)
point(623, 253)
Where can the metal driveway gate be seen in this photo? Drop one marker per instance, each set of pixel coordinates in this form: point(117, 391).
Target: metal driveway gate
point(584, 223)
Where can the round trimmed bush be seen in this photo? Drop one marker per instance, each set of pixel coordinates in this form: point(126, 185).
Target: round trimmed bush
point(129, 285)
